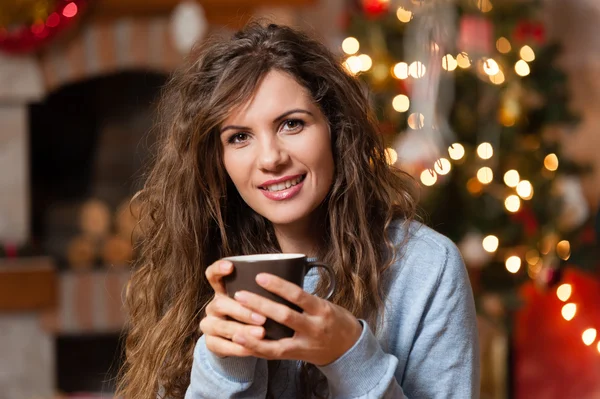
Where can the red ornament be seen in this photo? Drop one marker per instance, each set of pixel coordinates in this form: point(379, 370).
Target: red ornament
point(375, 8)
point(475, 35)
point(530, 30)
point(30, 38)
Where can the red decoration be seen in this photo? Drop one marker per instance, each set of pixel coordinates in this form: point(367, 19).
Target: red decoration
point(30, 38)
point(550, 359)
point(530, 30)
point(527, 219)
point(475, 35)
point(375, 8)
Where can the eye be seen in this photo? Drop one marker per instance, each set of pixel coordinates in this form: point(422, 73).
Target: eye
point(292, 125)
point(237, 138)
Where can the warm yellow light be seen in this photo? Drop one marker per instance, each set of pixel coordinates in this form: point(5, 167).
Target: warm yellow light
point(485, 150)
point(589, 336)
point(484, 5)
point(463, 60)
point(534, 270)
point(485, 175)
point(511, 178)
point(551, 162)
point(428, 177)
point(350, 45)
point(490, 243)
point(353, 64)
point(400, 70)
point(568, 311)
point(474, 186)
point(563, 249)
point(416, 121)
point(391, 156)
point(401, 103)
point(442, 166)
point(380, 72)
point(598, 346)
point(527, 53)
point(498, 78)
point(512, 203)
point(525, 189)
point(503, 45)
point(366, 62)
point(513, 264)
point(404, 15)
point(417, 69)
point(490, 67)
point(456, 151)
point(532, 256)
point(564, 291)
point(522, 68)
point(449, 63)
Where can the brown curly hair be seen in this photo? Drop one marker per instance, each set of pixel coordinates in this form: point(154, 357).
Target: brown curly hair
point(192, 214)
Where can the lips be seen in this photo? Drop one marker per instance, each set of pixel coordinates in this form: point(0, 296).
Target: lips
point(282, 184)
point(284, 188)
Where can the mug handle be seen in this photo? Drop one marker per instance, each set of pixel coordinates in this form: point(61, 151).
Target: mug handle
point(331, 276)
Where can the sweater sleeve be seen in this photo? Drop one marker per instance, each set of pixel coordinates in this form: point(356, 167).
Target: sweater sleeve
point(231, 377)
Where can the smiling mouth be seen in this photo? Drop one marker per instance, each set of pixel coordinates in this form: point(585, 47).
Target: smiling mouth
point(284, 185)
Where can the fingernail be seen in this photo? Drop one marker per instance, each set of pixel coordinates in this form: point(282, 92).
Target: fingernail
point(225, 266)
point(257, 332)
point(258, 318)
point(238, 339)
point(240, 297)
point(262, 279)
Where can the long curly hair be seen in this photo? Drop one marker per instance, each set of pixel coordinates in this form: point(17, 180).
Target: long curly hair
point(192, 215)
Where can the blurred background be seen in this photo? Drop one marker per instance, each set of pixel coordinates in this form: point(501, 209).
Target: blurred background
point(492, 105)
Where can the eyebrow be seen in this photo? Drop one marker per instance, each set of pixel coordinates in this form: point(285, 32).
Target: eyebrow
point(278, 119)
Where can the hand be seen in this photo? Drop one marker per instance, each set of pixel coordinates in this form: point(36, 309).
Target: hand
point(216, 326)
point(323, 332)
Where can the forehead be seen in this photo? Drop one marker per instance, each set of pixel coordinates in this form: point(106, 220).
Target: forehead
point(276, 93)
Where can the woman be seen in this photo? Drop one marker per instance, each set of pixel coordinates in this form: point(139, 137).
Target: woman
point(270, 146)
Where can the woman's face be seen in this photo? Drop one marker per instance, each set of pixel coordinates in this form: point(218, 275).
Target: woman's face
point(277, 151)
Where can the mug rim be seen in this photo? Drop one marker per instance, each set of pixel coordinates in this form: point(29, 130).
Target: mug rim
point(264, 257)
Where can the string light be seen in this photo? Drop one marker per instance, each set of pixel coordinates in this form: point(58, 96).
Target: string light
point(350, 45)
point(449, 63)
point(490, 243)
point(589, 336)
point(463, 60)
point(485, 175)
point(401, 103)
point(511, 178)
point(474, 186)
point(522, 68)
point(416, 121)
point(525, 190)
point(498, 78)
point(366, 62)
point(484, 5)
point(404, 15)
point(442, 166)
point(456, 151)
point(380, 72)
point(428, 177)
point(527, 53)
point(568, 311)
point(70, 10)
point(391, 156)
point(490, 67)
point(513, 264)
point(512, 203)
point(417, 69)
point(563, 249)
point(598, 346)
point(564, 291)
point(532, 256)
point(400, 70)
point(353, 64)
point(503, 45)
point(551, 162)
point(485, 151)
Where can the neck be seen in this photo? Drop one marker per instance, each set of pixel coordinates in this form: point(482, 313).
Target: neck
point(299, 238)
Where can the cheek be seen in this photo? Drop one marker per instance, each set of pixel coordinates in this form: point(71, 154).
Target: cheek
point(235, 168)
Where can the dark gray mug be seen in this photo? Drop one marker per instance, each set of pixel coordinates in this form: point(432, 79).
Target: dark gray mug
point(290, 267)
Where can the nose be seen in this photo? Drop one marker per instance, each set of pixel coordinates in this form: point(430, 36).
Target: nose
point(273, 154)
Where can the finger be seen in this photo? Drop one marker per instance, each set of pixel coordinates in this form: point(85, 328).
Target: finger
point(273, 310)
point(226, 328)
point(223, 347)
point(215, 273)
point(268, 349)
point(222, 305)
point(289, 291)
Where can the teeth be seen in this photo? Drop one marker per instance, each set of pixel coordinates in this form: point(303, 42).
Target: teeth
point(284, 185)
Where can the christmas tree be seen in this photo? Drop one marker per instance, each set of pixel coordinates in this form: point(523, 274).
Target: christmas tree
point(470, 101)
